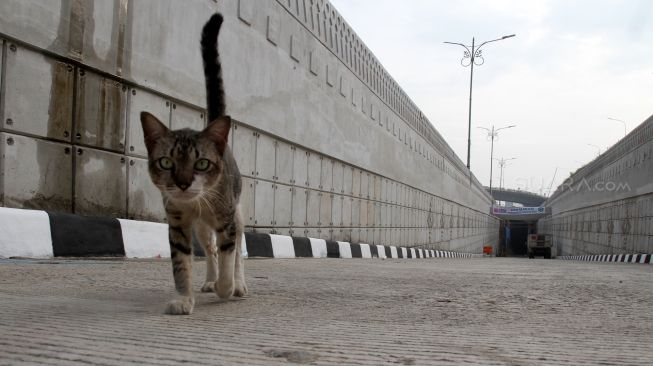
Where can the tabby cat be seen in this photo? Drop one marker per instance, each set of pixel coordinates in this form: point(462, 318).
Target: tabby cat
point(200, 184)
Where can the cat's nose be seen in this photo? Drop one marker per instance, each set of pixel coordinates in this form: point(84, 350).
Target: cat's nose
point(183, 187)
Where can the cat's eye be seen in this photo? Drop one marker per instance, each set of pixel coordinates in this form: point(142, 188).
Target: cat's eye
point(202, 165)
point(166, 163)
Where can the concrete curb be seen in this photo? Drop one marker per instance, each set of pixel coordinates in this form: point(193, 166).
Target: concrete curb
point(623, 258)
point(37, 234)
point(281, 246)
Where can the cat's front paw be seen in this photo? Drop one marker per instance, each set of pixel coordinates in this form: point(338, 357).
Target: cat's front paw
point(181, 306)
point(240, 289)
point(208, 287)
point(224, 289)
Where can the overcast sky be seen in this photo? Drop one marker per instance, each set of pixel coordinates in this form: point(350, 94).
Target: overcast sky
point(572, 65)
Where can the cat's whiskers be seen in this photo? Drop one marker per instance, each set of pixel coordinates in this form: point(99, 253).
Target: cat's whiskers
point(199, 206)
point(207, 198)
point(200, 200)
point(214, 194)
point(217, 197)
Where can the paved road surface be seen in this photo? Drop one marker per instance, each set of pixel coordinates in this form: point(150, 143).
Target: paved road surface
point(487, 311)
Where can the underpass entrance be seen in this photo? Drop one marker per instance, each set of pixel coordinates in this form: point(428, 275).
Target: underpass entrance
point(516, 224)
point(515, 237)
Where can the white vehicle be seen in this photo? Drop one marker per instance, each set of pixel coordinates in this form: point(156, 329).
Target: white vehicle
point(540, 245)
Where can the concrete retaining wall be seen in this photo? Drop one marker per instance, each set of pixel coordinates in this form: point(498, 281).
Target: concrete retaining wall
point(328, 143)
point(606, 207)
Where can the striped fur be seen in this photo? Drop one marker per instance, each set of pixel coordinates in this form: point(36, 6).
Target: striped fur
point(200, 184)
point(212, 69)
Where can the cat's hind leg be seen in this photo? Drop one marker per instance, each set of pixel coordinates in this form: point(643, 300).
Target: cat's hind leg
point(206, 237)
point(240, 288)
point(224, 286)
point(180, 236)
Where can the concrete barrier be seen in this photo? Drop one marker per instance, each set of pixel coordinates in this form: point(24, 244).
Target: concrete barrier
point(40, 234)
point(329, 145)
point(606, 207)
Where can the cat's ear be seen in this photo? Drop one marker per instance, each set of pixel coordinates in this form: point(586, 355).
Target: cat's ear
point(218, 132)
point(153, 129)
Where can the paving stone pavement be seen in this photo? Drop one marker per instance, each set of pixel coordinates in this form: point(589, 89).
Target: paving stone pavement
point(487, 311)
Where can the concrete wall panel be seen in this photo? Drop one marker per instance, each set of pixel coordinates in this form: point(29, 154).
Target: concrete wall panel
point(143, 101)
point(362, 236)
point(326, 205)
point(326, 174)
point(299, 207)
point(377, 188)
point(264, 203)
point(325, 233)
point(347, 203)
point(347, 180)
point(247, 199)
point(100, 112)
point(265, 157)
point(355, 212)
point(300, 168)
point(284, 162)
point(378, 222)
point(100, 183)
point(49, 166)
point(363, 213)
point(314, 170)
point(313, 199)
point(338, 177)
point(336, 210)
point(356, 182)
point(282, 205)
point(3, 47)
point(38, 95)
point(185, 117)
point(244, 150)
point(144, 200)
point(365, 185)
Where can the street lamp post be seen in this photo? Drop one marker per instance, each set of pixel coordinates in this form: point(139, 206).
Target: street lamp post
point(502, 164)
point(623, 122)
point(492, 133)
point(470, 58)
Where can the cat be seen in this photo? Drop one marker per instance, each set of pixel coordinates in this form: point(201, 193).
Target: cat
point(200, 185)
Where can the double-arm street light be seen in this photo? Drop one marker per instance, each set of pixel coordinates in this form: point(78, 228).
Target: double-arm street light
point(623, 122)
point(493, 133)
point(502, 164)
point(471, 57)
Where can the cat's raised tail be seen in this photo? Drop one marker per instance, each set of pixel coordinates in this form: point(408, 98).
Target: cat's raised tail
point(215, 103)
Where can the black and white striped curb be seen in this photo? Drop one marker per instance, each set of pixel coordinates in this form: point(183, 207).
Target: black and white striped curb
point(624, 258)
point(38, 234)
point(281, 246)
